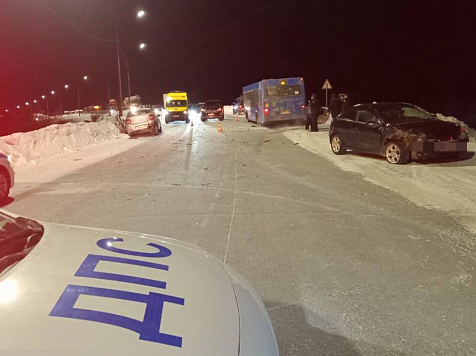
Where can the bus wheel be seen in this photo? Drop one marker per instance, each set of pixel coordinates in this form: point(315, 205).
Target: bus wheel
point(256, 119)
point(246, 115)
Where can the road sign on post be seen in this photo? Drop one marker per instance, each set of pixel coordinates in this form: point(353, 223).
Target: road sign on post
point(327, 85)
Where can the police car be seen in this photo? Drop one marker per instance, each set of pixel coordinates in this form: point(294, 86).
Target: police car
point(67, 290)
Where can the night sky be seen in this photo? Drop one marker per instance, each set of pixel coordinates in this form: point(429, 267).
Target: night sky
point(417, 51)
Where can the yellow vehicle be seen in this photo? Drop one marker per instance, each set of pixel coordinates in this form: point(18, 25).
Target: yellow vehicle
point(176, 107)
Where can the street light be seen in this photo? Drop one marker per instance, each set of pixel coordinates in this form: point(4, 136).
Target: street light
point(140, 14)
point(66, 86)
point(27, 103)
point(6, 110)
point(141, 47)
point(47, 105)
point(79, 98)
point(18, 106)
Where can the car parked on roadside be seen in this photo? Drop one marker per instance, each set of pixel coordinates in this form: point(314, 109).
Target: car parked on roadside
point(7, 176)
point(142, 120)
point(213, 109)
point(108, 292)
point(397, 131)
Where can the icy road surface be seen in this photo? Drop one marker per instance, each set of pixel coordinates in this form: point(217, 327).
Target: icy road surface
point(346, 258)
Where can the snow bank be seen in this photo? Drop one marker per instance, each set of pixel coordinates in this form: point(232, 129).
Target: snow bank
point(32, 147)
point(471, 132)
point(228, 109)
point(444, 186)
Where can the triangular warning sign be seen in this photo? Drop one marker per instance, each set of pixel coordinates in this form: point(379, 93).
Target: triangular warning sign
point(327, 85)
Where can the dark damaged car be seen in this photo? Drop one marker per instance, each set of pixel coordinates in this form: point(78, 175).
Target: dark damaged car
point(398, 131)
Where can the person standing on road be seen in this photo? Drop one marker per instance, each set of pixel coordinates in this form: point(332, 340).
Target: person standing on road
point(316, 110)
point(308, 115)
point(335, 106)
point(346, 105)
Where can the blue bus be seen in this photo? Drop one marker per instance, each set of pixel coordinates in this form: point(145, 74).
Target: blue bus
point(274, 100)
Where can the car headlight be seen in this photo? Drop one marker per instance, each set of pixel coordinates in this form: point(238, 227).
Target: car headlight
point(185, 112)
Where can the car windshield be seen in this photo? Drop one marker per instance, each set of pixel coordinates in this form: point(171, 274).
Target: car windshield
point(404, 113)
point(17, 238)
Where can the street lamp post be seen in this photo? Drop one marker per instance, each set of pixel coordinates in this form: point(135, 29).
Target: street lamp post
point(37, 105)
point(79, 99)
point(44, 97)
point(141, 47)
point(28, 106)
point(53, 93)
point(140, 14)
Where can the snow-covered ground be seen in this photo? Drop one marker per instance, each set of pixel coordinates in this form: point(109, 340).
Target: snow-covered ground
point(447, 186)
point(33, 147)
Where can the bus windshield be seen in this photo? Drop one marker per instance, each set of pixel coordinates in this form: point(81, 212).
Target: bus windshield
point(284, 90)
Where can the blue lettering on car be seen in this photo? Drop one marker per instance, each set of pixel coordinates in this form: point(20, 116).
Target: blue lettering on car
point(149, 328)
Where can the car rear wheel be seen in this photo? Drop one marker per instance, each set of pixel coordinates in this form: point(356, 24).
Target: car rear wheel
point(155, 131)
point(395, 153)
point(4, 185)
point(337, 145)
point(222, 117)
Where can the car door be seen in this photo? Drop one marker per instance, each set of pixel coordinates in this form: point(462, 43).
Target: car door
point(344, 126)
point(367, 131)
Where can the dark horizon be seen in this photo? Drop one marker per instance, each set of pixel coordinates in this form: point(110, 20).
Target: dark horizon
point(416, 52)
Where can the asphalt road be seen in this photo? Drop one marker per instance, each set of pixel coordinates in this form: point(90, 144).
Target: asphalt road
point(345, 267)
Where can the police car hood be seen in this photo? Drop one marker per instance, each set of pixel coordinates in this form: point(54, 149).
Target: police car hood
point(101, 292)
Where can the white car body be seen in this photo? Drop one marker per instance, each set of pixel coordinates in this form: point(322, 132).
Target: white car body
point(141, 123)
point(85, 291)
point(7, 170)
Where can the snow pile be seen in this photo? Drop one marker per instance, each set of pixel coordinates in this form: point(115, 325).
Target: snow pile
point(471, 132)
point(228, 109)
point(32, 147)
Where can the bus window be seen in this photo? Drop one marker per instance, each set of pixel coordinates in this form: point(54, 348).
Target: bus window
point(284, 90)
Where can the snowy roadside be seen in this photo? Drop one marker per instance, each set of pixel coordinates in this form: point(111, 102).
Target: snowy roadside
point(35, 146)
point(447, 186)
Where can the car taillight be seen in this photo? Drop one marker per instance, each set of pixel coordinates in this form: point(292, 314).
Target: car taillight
point(219, 109)
point(241, 106)
point(151, 117)
point(128, 121)
point(303, 107)
point(266, 111)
